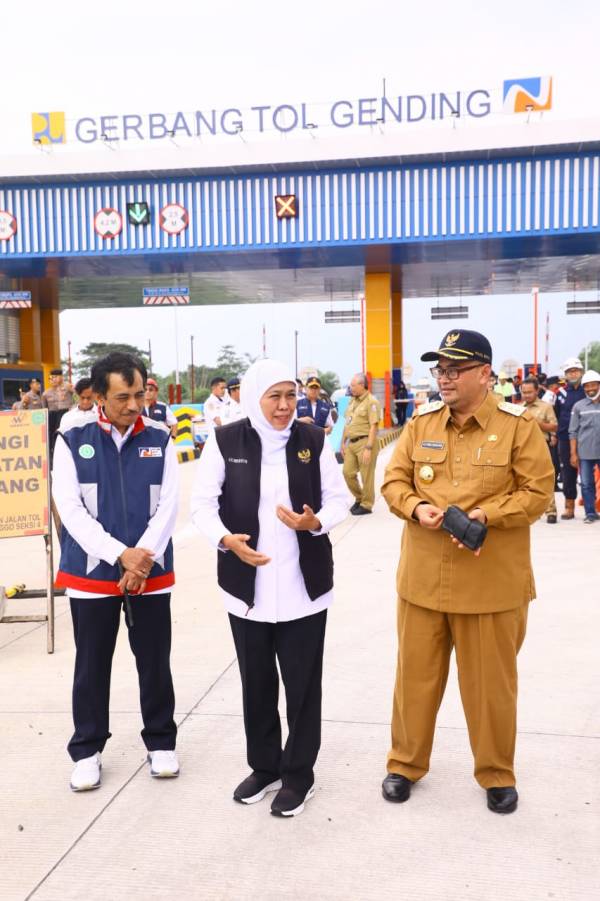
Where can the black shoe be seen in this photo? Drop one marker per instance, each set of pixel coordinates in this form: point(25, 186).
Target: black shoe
point(551, 518)
point(255, 787)
point(359, 511)
point(396, 788)
point(502, 800)
point(288, 802)
point(354, 507)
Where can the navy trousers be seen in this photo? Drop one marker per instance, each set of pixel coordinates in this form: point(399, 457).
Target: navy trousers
point(569, 473)
point(298, 648)
point(95, 625)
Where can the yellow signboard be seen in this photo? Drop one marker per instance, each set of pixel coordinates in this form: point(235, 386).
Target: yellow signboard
point(24, 490)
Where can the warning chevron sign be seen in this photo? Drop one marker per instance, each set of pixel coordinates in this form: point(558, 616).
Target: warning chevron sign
point(15, 300)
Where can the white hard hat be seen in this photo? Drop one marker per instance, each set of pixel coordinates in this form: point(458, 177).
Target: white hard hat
point(590, 376)
point(572, 363)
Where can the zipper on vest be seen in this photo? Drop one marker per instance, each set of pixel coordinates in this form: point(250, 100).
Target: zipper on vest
point(122, 486)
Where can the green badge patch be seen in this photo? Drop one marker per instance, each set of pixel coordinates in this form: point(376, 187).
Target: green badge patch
point(37, 417)
point(86, 451)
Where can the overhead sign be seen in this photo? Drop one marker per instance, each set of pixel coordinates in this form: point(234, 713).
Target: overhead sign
point(174, 218)
point(138, 213)
point(173, 296)
point(286, 206)
point(515, 95)
point(8, 225)
point(108, 223)
point(23, 473)
point(15, 300)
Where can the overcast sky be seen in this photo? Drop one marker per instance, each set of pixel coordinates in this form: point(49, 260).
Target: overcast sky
point(136, 56)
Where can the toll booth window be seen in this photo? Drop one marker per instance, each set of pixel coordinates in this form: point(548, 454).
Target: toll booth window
point(10, 391)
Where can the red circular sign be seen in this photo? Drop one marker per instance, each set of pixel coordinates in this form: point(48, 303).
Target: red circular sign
point(8, 225)
point(108, 223)
point(174, 218)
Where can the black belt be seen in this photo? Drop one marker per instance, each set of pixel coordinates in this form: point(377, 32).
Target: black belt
point(360, 438)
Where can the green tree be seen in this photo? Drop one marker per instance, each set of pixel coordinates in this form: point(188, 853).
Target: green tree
point(593, 357)
point(231, 364)
point(329, 381)
point(97, 349)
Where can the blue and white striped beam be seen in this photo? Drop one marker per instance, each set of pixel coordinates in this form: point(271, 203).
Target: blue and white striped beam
point(551, 195)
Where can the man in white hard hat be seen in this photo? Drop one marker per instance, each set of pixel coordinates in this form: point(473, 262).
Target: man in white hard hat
point(584, 437)
point(566, 399)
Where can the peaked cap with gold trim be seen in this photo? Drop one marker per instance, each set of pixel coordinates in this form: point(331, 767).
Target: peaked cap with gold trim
point(462, 345)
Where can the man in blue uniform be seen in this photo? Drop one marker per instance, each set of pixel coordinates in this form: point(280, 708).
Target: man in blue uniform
point(312, 409)
point(565, 401)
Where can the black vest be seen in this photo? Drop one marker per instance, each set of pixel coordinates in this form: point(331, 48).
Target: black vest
point(238, 505)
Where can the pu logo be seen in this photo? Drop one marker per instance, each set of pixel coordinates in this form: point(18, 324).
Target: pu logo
point(526, 95)
point(48, 128)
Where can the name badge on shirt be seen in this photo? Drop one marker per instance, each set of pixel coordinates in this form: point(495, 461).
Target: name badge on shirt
point(150, 451)
point(433, 445)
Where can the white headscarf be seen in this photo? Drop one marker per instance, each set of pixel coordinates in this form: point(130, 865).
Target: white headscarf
point(258, 379)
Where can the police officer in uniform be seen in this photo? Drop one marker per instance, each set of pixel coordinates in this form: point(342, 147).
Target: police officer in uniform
point(233, 411)
point(546, 419)
point(488, 458)
point(57, 399)
point(32, 399)
point(312, 409)
point(359, 445)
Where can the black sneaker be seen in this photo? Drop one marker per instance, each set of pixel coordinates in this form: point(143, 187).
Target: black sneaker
point(360, 511)
point(354, 507)
point(255, 787)
point(289, 803)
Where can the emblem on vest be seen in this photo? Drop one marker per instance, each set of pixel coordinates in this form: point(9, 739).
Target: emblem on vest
point(150, 451)
point(236, 460)
point(86, 451)
point(304, 455)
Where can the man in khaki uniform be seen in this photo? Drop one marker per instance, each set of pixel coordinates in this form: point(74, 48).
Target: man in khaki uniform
point(360, 446)
point(489, 459)
point(57, 399)
point(548, 423)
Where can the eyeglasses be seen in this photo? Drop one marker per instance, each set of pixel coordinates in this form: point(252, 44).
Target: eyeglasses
point(452, 372)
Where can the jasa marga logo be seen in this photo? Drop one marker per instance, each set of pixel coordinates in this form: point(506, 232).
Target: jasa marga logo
point(525, 95)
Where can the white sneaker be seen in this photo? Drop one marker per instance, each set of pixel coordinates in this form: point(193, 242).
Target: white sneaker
point(163, 764)
point(86, 774)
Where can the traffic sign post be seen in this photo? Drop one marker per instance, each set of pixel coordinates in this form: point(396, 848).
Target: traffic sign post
point(138, 213)
point(173, 296)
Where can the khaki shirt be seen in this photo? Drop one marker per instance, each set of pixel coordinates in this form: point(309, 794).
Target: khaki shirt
point(32, 401)
point(56, 399)
point(497, 461)
point(542, 412)
point(361, 414)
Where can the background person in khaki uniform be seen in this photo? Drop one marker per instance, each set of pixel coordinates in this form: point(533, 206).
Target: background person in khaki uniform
point(360, 446)
point(488, 458)
point(32, 399)
point(548, 423)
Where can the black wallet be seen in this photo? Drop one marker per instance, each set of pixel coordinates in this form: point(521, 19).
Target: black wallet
point(469, 532)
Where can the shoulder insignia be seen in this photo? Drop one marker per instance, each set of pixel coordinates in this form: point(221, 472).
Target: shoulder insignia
point(513, 409)
point(431, 407)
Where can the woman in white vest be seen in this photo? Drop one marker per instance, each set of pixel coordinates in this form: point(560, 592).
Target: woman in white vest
point(267, 492)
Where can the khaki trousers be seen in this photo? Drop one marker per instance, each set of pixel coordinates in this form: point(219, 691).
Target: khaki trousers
point(486, 646)
point(353, 467)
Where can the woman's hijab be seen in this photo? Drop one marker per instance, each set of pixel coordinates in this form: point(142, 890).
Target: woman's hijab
point(258, 379)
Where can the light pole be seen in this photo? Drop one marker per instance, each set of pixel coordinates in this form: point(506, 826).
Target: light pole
point(70, 362)
point(192, 372)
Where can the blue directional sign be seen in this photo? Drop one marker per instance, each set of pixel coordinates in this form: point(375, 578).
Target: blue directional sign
point(164, 292)
point(174, 296)
point(15, 295)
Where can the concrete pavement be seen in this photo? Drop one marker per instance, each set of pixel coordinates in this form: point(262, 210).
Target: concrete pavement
point(138, 838)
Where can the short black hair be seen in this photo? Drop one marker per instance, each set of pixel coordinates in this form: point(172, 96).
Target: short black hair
point(531, 380)
point(120, 363)
point(217, 380)
point(83, 385)
point(34, 379)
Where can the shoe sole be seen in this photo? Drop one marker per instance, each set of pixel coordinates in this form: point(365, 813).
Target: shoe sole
point(395, 800)
point(253, 799)
point(84, 788)
point(296, 810)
